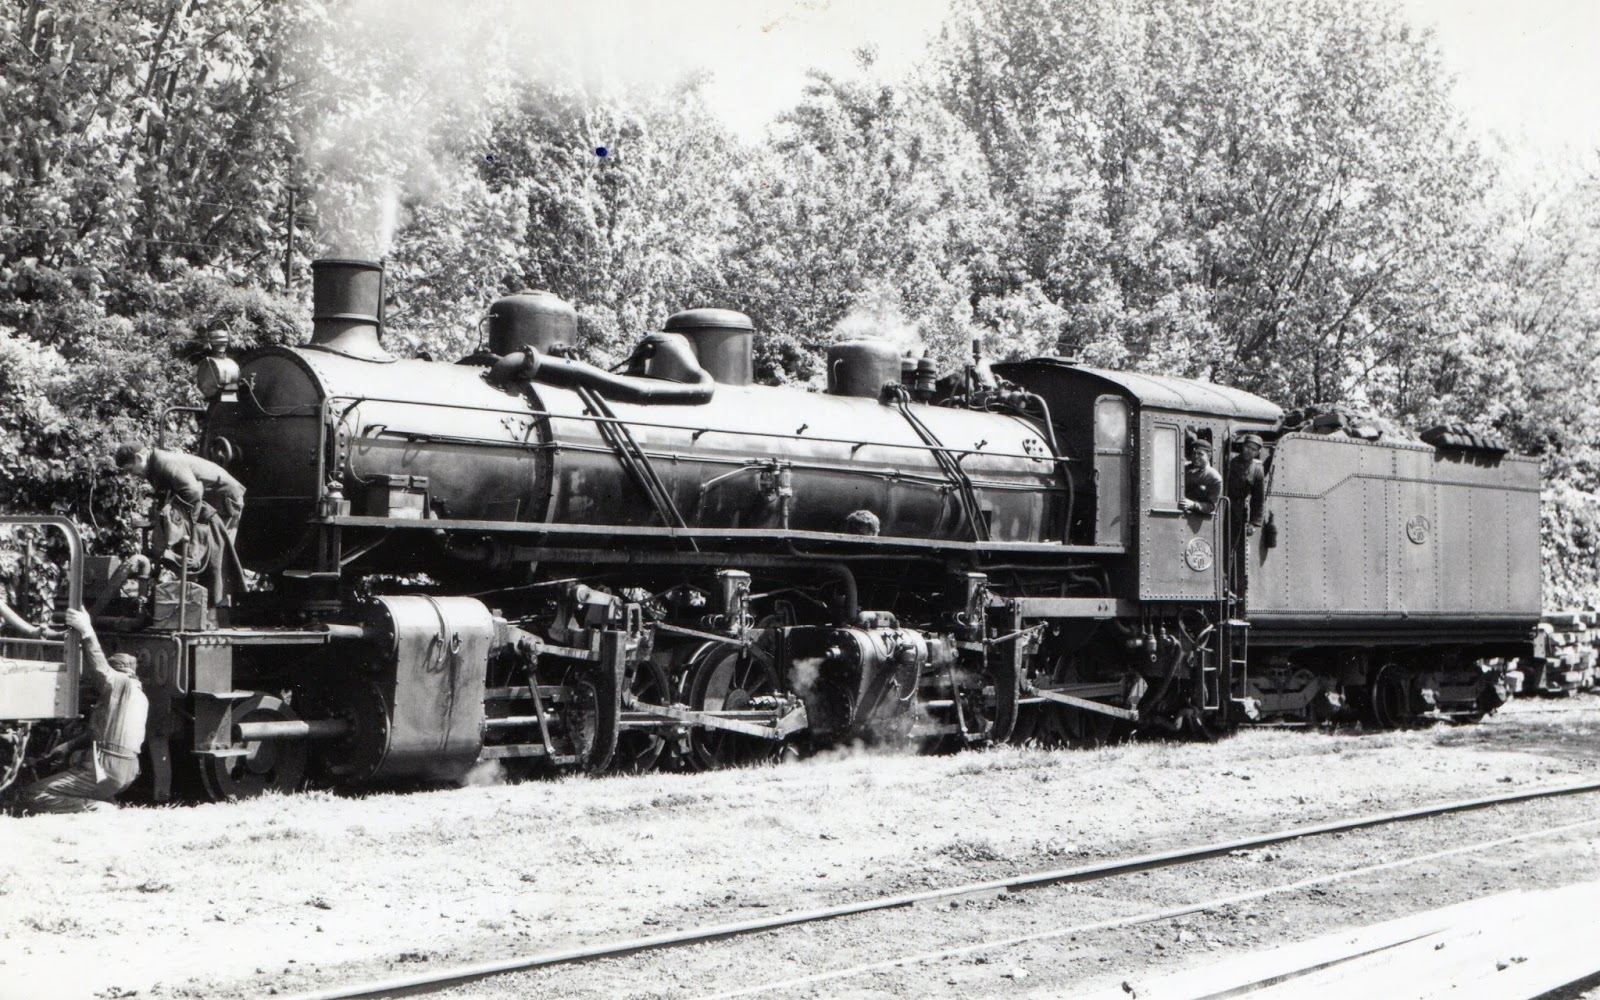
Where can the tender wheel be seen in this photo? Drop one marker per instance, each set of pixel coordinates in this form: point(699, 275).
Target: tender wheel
point(638, 750)
point(727, 678)
point(1389, 697)
point(268, 765)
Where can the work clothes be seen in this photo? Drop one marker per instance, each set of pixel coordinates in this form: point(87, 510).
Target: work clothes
point(1247, 499)
point(97, 774)
point(1247, 489)
point(192, 479)
point(92, 782)
point(1202, 484)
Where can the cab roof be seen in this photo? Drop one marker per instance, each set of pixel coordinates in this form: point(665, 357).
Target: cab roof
point(1164, 392)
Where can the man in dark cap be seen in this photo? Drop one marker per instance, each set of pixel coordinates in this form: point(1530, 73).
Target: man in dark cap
point(1247, 498)
point(201, 486)
point(1202, 483)
point(108, 765)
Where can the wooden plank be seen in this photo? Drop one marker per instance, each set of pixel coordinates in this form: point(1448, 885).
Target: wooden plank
point(1543, 945)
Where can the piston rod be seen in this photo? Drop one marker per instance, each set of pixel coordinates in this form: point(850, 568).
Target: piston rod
point(291, 729)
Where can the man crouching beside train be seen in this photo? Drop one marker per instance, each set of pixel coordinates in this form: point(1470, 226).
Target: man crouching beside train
point(99, 772)
point(203, 487)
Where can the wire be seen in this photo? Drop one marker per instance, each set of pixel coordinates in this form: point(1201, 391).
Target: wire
point(140, 239)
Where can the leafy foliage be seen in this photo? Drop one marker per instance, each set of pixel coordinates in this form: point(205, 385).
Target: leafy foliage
point(1275, 195)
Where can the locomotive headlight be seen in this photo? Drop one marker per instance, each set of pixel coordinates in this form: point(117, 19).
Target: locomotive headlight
point(215, 376)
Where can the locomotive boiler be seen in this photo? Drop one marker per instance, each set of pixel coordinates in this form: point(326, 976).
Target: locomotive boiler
point(520, 557)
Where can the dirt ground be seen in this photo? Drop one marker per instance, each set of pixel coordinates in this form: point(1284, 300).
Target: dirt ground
point(287, 895)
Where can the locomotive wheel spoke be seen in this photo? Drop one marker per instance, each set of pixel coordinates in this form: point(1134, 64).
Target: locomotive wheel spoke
point(270, 765)
point(984, 704)
point(1077, 728)
point(1026, 731)
point(638, 750)
point(578, 721)
point(723, 677)
point(1054, 722)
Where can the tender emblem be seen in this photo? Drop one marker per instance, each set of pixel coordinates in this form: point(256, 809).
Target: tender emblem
point(1417, 529)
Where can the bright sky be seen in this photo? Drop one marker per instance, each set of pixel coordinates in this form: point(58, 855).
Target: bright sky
point(1527, 70)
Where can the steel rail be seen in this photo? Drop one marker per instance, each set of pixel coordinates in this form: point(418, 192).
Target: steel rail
point(1081, 873)
point(1168, 913)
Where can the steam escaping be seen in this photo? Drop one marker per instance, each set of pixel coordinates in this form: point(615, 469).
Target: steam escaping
point(486, 774)
point(406, 91)
point(804, 674)
point(877, 313)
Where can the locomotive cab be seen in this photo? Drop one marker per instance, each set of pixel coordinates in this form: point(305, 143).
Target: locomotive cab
point(1138, 427)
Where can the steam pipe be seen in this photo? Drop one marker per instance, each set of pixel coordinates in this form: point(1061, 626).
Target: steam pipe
point(530, 366)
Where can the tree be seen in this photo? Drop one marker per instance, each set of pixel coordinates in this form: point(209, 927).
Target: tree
point(1277, 195)
point(1530, 368)
point(144, 132)
point(869, 212)
point(628, 201)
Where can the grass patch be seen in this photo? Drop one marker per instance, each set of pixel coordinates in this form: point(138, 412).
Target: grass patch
point(54, 925)
point(969, 849)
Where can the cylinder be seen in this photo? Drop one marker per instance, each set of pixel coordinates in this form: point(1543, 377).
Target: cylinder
point(723, 340)
point(531, 318)
point(862, 367)
point(347, 307)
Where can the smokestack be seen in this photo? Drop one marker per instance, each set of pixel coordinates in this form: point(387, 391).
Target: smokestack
point(347, 308)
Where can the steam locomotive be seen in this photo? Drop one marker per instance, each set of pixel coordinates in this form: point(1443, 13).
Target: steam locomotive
point(521, 557)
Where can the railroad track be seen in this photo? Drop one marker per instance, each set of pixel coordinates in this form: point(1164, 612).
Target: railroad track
point(435, 981)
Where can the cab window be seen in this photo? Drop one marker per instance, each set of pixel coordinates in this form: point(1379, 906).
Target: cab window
point(1164, 466)
point(1110, 424)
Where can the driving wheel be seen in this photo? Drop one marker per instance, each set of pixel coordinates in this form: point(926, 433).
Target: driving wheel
point(724, 677)
point(265, 765)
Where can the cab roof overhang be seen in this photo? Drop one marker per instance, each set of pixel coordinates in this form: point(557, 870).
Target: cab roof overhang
point(1162, 392)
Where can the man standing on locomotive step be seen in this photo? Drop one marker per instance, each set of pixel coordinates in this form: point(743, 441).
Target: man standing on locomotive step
point(201, 486)
point(116, 733)
point(1202, 483)
point(1247, 498)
